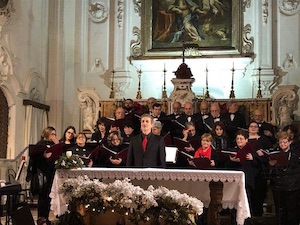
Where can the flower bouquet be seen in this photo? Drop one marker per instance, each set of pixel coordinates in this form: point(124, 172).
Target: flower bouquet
point(132, 202)
point(69, 161)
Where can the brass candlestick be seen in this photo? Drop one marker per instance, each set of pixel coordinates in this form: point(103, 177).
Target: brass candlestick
point(259, 95)
point(112, 89)
point(232, 95)
point(206, 96)
point(139, 94)
point(164, 92)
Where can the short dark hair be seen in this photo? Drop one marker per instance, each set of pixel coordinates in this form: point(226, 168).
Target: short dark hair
point(156, 105)
point(128, 123)
point(243, 133)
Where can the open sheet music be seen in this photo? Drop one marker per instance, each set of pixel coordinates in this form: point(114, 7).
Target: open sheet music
point(171, 154)
point(200, 163)
point(107, 153)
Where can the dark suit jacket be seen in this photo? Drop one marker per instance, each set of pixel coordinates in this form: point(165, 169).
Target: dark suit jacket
point(233, 126)
point(267, 126)
point(196, 119)
point(210, 123)
point(154, 156)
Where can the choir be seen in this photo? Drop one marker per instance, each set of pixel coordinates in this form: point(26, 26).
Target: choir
point(136, 137)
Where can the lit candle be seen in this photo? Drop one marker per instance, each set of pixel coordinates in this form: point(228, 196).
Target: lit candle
point(69, 154)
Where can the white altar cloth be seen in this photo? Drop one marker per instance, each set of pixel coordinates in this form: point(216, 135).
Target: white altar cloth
point(193, 182)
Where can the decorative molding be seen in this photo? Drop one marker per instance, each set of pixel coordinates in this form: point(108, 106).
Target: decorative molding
point(98, 12)
point(248, 41)
point(182, 91)
point(279, 73)
point(6, 13)
point(135, 45)
point(6, 64)
point(284, 103)
point(246, 4)
point(137, 6)
point(122, 81)
point(289, 7)
point(289, 62)
point(120, 13)
point(265, 11)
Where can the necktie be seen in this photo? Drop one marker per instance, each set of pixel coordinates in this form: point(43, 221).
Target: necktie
point(144, 143)
point(189, 119)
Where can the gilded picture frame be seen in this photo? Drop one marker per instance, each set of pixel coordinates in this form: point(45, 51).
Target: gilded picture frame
point(213, 28)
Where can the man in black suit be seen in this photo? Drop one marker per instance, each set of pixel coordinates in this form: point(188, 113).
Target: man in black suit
point(265, 128)
point(189, 116)
point(157, 113)
point(146, 149)
point(176, 111)
point(233, 119)
point(214, 116)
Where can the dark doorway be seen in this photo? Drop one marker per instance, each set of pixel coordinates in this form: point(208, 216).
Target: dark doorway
point(3, 124)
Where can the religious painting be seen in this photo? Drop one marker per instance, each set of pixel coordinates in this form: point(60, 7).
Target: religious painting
point(212, 26)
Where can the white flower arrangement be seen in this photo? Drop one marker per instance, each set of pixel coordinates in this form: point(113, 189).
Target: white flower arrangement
point(132, 201)
point(69, 161)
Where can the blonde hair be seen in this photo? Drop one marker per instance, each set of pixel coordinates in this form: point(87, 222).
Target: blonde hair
point(283, 135)
point(46, 133)
point(207, 137)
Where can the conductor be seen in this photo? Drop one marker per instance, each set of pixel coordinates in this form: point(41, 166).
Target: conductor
point(146, 149)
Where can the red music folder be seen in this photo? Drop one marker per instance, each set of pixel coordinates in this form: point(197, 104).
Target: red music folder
point(242, 153)
point(200, 163)
point(35, 150)
point(106, 153)
point(181, 144)
point(281, 157)
point(57, 150)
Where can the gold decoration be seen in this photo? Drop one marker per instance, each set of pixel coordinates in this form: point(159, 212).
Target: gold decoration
point(232, 95)
point(259, 95)
point(139, 94)
point(112, 89)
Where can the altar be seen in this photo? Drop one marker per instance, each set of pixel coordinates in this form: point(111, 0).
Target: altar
point(193, 182)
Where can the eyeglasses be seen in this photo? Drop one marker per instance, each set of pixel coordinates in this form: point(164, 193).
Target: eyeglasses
point(115, 139)
point(283, 142)
point(253, 126)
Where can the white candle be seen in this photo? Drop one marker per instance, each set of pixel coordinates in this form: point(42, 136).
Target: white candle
point(69, 154)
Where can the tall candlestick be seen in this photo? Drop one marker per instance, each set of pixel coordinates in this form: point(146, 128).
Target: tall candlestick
point(164, 92)
point(112, 89)
point(232, 95)
point(259, 95)
point(139, 94)
point(207, 92)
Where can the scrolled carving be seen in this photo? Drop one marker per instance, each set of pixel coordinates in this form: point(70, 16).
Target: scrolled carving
point(120, 14)
point(289, 7)
point(5, 64)
point(248, 41)
point(137, 6)
point(6, 13)
point(88, 101)
point(246, 4)
point(265, 11)
point(135, 45)
point(284, 103)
